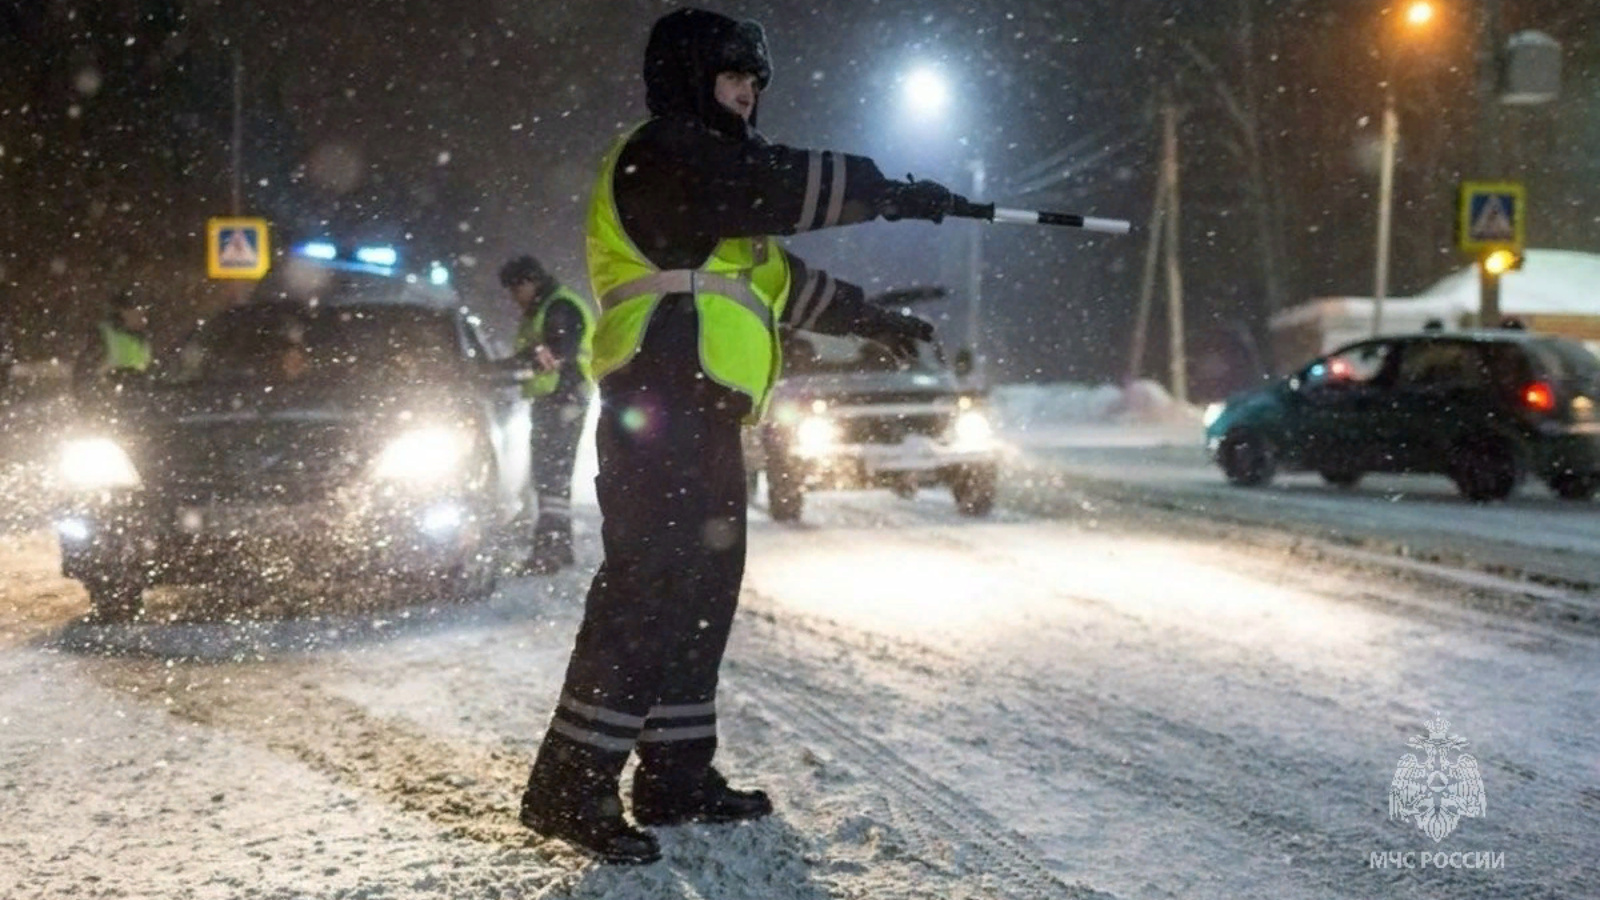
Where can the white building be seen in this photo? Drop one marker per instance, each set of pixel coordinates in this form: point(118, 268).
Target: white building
point(1555, 291)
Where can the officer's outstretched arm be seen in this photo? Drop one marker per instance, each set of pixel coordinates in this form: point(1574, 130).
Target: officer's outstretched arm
point(819, 302)
point(750, 188)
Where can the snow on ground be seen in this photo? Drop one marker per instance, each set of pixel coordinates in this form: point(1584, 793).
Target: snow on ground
point(941, 708)
point(1022, 707)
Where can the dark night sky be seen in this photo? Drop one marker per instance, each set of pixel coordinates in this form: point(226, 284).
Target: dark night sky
point(475, 127)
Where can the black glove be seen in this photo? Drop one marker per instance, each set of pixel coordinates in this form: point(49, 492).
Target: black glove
point(912, 199)
point(895, 330)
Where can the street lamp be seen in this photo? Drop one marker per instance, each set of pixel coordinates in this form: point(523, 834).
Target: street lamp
point(926, 94)
point(1418, 15)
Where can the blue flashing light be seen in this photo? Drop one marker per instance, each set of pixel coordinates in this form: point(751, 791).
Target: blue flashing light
point(377, 256)
point(319, 250)
point(439, 274)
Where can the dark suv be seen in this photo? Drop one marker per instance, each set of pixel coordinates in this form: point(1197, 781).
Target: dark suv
point(1485, 408)
point(362, 432)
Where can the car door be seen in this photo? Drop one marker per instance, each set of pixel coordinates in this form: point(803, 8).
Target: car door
point(510, 423)
point(1341, 399)
point(1443, 389)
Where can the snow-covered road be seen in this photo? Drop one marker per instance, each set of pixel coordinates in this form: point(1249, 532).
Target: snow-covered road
point(1075, 698)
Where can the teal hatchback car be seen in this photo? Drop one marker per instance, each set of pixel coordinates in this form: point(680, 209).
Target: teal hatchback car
point(1489, 409)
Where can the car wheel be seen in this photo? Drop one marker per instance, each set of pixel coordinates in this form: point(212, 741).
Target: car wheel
point(1572, 486)
point(114, 599)
point(473, 580)
point(786, 495)
point(1342, 478)
point(974, 488)
point(1484, 468)
point(1247, 458)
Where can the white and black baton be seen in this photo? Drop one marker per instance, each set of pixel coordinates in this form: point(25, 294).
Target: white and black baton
point(991, 213)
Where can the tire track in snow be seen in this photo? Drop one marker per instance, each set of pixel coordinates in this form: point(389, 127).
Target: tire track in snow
point(464, 789)
point(934, 814)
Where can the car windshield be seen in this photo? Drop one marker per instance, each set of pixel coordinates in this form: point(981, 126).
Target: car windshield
point(275, 343)
point(822, 354)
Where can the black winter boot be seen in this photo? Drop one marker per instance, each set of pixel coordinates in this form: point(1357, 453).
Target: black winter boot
point(572, 796)
point(659, 801)
point(551, 553)
point(592, 824)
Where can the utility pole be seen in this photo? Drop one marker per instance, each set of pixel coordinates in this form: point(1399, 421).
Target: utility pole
point(1380, 276)
point(1169, 165)
point(1147, 279)
point(975, 279)
point(237, 150)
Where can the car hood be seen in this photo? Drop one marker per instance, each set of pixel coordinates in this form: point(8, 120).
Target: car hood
point(869, 386)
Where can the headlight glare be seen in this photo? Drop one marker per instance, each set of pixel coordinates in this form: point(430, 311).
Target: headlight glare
point(815, 436)
point(1213, 413)
point(972, 428)
point(97, 463)
point(423, 456)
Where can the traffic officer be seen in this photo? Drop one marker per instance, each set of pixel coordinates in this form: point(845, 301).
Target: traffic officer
point(692, 292)
point(556, 338)
point(120, 342)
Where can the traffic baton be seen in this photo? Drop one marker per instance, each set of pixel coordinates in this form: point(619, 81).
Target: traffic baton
point(991, 213)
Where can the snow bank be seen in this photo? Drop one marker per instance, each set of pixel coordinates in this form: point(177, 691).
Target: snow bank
point(1065, 414)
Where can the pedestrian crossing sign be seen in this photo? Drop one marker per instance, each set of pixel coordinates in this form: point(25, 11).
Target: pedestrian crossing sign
point(237, 248)
point(1493, 216)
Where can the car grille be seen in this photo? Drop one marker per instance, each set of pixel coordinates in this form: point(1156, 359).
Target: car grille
point(893, 429)
point(257, 462)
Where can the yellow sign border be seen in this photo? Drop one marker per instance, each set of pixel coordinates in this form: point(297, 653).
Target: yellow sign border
point(1519, 224)
point(214, 266)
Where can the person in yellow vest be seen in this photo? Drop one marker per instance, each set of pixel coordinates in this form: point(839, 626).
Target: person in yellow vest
point(556, 339)
point(120, 342)
point(693, 292)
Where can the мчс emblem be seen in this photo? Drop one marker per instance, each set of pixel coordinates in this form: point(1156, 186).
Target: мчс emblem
point(1438, 790)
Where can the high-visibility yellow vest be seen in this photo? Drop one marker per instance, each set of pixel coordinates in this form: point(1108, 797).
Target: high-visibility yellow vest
point(124, 349)
point(739, 293)
point(531, 334)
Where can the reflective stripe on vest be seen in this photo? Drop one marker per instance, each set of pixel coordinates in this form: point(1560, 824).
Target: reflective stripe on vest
point(739, 294)
point(124, 349)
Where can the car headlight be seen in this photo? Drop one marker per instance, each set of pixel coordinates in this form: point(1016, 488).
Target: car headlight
point(1213, 413)
point(96, 463)
point(972, 429)
point(423, 456)
point(815, 436)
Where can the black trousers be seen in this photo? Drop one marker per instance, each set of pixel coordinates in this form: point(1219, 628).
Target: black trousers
point(557, 426)
point(643, 673)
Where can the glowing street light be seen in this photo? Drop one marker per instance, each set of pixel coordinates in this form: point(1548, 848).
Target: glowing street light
point(926, 92)
point(1418, 15)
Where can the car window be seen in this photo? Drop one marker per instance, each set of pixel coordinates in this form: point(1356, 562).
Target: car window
point(281, 343)
point(1443, 364)
point(1361, 364)
point(1510, 367)
point(1564, 360)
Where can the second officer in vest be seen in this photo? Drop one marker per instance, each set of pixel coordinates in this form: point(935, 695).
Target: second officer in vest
point(692, 292)
point(556, 340)
point(120, 342)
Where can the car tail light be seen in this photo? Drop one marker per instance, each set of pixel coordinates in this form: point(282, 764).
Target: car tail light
point(1539, 397)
